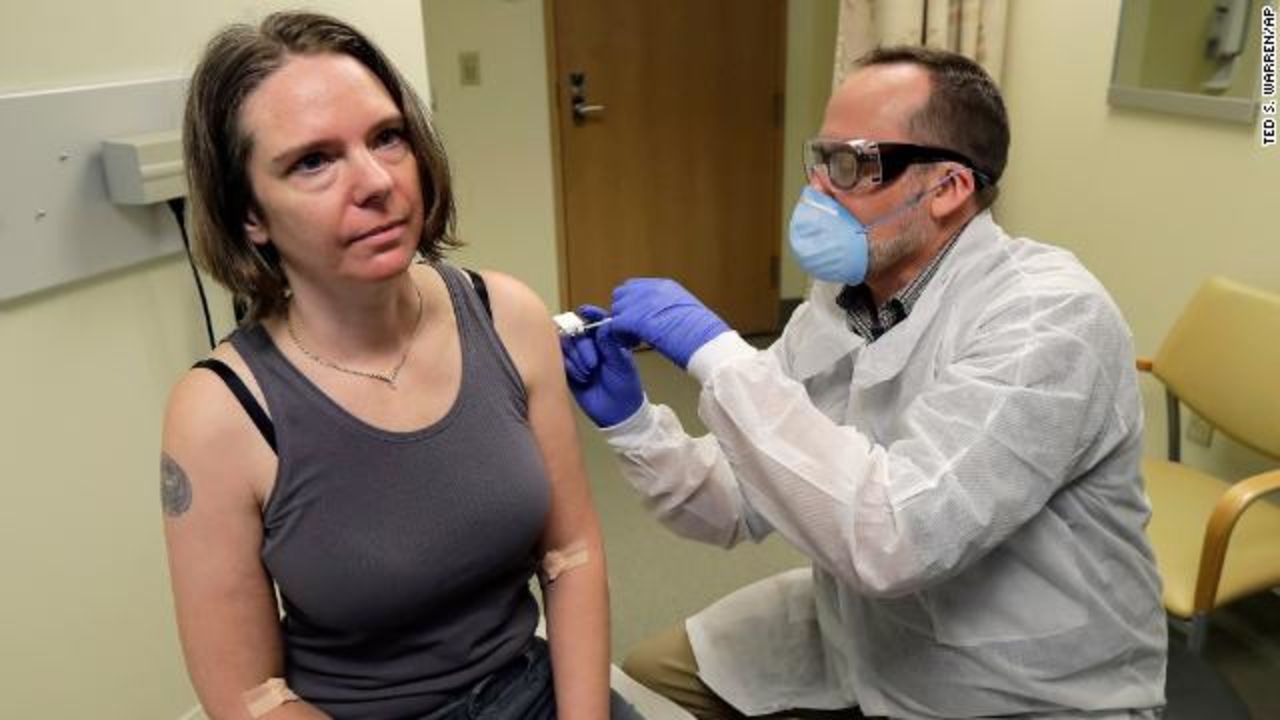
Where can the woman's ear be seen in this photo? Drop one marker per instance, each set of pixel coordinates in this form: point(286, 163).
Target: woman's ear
point(255, 229)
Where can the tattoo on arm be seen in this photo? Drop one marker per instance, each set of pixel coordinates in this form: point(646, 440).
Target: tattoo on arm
point(175, 488)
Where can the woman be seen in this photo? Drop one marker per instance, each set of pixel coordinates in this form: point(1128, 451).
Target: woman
point(397, 453)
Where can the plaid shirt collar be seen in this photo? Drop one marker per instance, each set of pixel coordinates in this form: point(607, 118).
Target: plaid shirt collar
point(870, 322)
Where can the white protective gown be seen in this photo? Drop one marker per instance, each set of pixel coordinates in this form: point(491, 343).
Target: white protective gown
point(967, 487)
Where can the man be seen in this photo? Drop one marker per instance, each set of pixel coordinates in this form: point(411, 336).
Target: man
point(950, 428)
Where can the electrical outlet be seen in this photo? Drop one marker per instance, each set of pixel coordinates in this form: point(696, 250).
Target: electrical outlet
point(1199, 431)
point(469, 67)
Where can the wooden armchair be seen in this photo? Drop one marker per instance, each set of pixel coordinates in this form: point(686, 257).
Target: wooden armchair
point(1214, 543)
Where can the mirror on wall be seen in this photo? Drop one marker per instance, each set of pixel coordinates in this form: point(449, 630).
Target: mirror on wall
point(1191, 57)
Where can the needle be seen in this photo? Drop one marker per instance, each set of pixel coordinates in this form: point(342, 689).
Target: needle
point(596, 324)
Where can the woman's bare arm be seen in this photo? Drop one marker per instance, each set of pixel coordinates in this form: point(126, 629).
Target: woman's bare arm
point(213, 467)
point(577, 602)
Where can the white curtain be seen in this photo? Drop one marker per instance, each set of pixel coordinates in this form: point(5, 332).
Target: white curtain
point(973, 28)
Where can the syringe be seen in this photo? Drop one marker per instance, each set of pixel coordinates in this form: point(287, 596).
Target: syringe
point(571, 324)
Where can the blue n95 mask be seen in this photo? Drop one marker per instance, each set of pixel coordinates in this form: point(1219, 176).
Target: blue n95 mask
point(830, 243)
point(827, 240)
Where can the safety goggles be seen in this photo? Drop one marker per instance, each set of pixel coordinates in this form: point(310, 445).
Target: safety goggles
point(864, 164)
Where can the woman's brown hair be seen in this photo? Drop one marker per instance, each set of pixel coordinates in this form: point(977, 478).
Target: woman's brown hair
point(217, 148)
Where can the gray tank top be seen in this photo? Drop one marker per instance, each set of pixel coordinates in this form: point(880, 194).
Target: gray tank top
point(402, 559)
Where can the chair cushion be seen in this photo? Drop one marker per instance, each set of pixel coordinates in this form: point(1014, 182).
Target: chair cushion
point(1182, 499)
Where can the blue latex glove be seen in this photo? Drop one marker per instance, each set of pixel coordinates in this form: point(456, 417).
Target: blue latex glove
point(601, 372)
point(665, 315)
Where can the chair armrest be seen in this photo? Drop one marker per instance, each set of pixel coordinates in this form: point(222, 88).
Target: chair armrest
point(1145, 364)
point(1217, 534)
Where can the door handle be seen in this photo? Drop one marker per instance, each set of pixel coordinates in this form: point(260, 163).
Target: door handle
point(578, 104)
point(581, 111)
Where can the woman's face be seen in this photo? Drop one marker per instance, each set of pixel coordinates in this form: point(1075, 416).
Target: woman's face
point(331, 168)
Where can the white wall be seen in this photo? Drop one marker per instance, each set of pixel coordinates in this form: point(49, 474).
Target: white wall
point(811, 41)
point(1152, 203)
point(86, 623)
point(498, 135)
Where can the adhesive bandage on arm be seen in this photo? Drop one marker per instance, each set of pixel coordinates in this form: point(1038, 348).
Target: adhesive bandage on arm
point(267, 697)
point(557, 562)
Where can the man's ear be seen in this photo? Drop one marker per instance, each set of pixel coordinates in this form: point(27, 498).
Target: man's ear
point(255, 229)
point(954, 194)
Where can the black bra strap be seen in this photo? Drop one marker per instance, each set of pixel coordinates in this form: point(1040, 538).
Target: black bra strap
point(478, 283)
point(247, 401)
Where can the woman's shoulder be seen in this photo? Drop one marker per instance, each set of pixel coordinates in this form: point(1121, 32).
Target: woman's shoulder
point(210, 435)
point(512, 297)
point(201, 407)
point(523, 323)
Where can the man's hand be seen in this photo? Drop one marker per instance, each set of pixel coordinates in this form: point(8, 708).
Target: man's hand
point(601, 372)
point(665, 315)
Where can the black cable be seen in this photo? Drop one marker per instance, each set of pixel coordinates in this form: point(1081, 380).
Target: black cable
point(179, 207)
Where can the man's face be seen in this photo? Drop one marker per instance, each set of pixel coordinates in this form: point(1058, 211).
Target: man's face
point(876, 103)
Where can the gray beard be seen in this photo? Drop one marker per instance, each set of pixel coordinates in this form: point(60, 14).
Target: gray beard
point(888, 252)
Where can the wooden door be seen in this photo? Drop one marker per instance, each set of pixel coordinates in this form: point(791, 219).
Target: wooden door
point(677, 173)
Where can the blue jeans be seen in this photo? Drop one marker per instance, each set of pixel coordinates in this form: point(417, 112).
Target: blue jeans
point(520, 690)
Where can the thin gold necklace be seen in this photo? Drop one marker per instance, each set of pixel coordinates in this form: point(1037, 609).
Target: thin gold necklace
point(388, 377)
